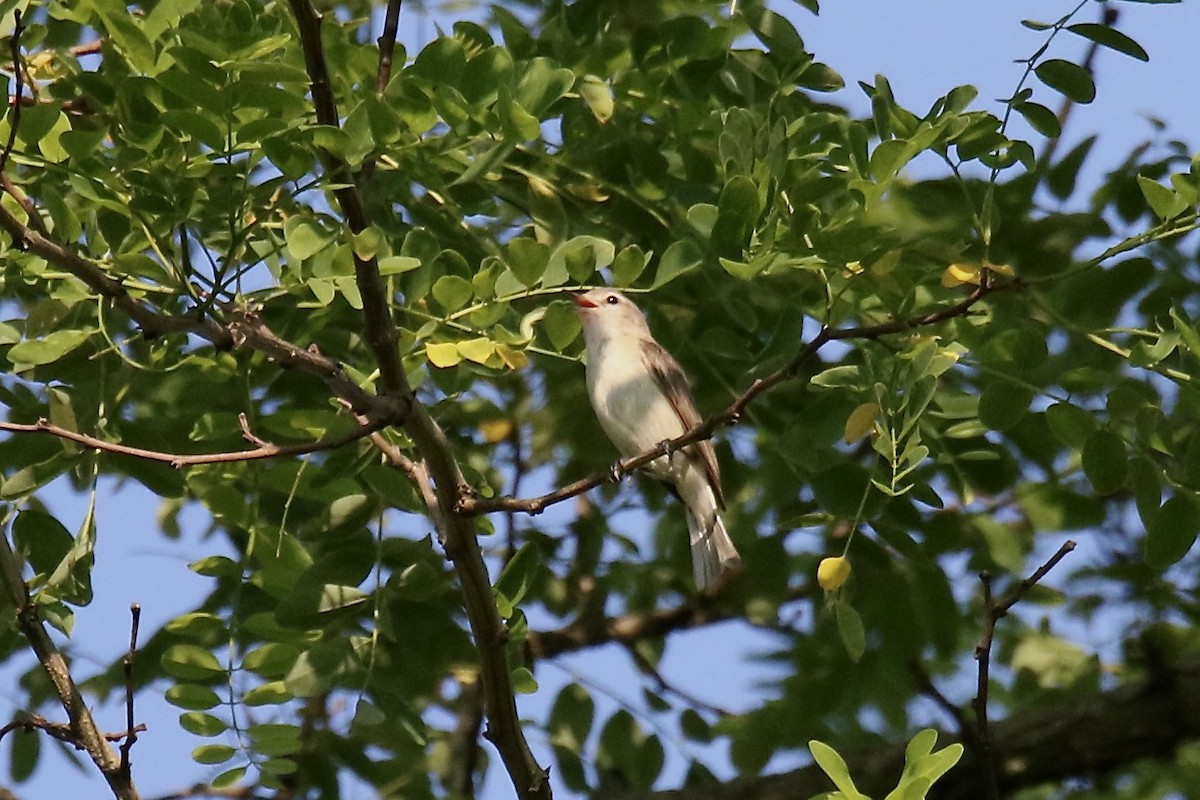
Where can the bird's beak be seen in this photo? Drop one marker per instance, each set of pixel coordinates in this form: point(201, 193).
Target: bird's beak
point(581, 301)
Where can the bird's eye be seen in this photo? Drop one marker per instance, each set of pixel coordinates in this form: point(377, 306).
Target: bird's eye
point(612, 299)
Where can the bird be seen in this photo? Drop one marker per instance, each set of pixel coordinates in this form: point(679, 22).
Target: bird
point(642, 398)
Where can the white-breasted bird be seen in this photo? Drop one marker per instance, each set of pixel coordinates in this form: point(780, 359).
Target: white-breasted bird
point(642, 398)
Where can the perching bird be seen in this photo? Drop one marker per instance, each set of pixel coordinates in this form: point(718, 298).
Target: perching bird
point(642, 399)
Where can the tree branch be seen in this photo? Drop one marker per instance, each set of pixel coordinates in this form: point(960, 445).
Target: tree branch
point(994, 612)
point(179, 461)
point(457, 531)
point(387, 44)
point(81, 730)
point(472, 505)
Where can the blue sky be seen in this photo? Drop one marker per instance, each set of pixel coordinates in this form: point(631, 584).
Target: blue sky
point(925, 48)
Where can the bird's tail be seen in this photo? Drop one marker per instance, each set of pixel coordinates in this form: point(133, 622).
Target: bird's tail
point(713, 552)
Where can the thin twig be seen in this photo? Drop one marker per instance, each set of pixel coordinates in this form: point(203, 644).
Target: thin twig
point(179, 460)
point(387, 44)
point(994, 611)
point(135, 614)
point(15, 121)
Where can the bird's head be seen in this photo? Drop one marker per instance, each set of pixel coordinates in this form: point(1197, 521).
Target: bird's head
point(606, 313)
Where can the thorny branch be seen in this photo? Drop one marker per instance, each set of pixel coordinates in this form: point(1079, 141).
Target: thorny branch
point(469, 504)
point(994, 611)
point(15, 122)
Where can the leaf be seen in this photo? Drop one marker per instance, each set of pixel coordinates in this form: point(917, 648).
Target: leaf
point(850, 628)
point(305, 238)
point(861, 422)
point(189, 662)
point(213, 754)
point(47, 349)
point(25, 754)
point(561, 324)
point(628, 265)
point(1166, 203)
point(680, 258)
point(443, 354)
point(1110, 38)
point(1068, 79)
point(1105, 462)
point(452, 292)
point(192, 697)
point(1172, 532)
point(527, 259)
point(1071, 424)
point(598, 96)
point(199, 723)
point(1040, 118)
point(835, 767)
point(518, 576)
point(1003, 404)
point(478, 350)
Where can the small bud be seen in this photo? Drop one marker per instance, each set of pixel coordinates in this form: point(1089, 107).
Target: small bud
point(833, 572)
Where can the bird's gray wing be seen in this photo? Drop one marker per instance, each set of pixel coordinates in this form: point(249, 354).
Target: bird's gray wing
point(673, 383)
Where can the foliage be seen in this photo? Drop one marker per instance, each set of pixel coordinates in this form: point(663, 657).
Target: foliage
point(1008, 355)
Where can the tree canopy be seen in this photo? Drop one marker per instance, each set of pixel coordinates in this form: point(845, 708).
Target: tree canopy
point(264, 263)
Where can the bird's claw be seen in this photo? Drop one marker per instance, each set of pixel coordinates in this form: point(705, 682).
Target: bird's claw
point(616, 472)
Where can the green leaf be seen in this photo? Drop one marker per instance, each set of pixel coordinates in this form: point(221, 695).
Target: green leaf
point(1068, 79)
point(598, 96)
point(452, 292)
point(192, 697)
point(213, 754)
point(1172, 532)
point(268, 694)
point(561, 324)
point(305, 238)
point(628, 265)
point(1105, 462)
point(835, 767)
point(851, 631)
point(25, 753)
point(273, 739)
point(47, 349)
point(1166, 203)
point(42, 539)
point(1003, 404)
point(571, 717)
point(519, 574)
point(681, 258)
point(478, 350)
point(1040, 118)
point(271, 660)
point(1110, 38)
point(202, 724)
point(527, 259)
point(1070, 424)
point(191, 663)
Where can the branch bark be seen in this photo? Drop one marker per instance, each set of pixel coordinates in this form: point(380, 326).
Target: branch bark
point(81, 729)
point(458, 531)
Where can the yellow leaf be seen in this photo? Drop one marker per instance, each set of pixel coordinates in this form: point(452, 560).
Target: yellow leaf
point(958, 274)
point(477, 350)
point(442, 354)
point(1001, 269)
point(833, 572)
point(860, 422)
point(514, 358)
point(495, 430)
